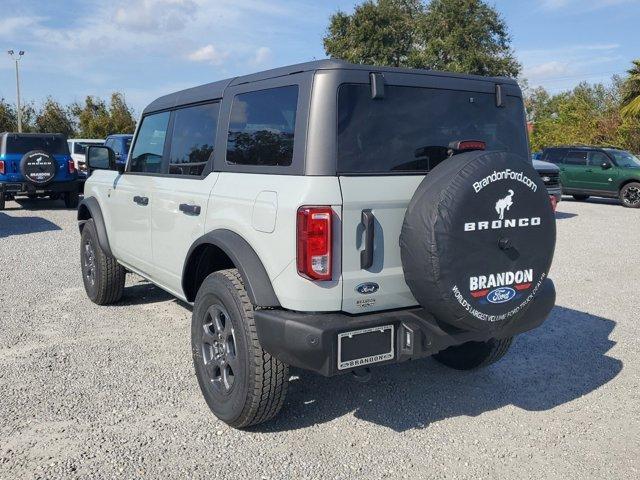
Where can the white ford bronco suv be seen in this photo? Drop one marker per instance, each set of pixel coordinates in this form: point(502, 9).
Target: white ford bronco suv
point(327, 216)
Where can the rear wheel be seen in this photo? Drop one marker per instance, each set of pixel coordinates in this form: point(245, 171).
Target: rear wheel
point(242, 384)
point(471, 355)
point(581, 198)
point(71, 199)
point(630, 195)
point(3, 200)
point(102, 275)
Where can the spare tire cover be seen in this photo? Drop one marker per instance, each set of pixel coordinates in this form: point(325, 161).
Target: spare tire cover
point(38, 167)
point(478, 239)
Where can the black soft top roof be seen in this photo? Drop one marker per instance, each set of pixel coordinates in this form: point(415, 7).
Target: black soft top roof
point(215, 90)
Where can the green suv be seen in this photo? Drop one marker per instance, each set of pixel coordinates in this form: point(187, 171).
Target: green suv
point(597, 171)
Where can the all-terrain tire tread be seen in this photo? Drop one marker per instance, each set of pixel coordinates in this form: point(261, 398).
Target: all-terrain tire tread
point(112, 275)
point(270, 375)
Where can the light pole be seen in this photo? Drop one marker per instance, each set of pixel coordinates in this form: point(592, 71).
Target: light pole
point(17, 58)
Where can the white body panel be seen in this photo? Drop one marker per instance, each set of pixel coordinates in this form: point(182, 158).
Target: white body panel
point(387, 197)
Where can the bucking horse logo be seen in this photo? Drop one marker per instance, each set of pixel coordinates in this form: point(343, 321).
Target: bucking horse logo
point(504, 204)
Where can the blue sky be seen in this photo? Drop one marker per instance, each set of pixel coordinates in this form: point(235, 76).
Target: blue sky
point(146, 48)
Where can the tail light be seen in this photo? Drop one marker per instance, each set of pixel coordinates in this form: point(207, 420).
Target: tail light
point(314, 242)
point(71, 166)
point(2, 170)
point(467, 145)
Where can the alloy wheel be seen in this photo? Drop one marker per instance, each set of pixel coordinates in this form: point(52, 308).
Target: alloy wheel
point(219, 349)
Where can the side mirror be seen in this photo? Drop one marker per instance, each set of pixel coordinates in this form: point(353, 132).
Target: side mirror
point(99, 157)
point(606, 165)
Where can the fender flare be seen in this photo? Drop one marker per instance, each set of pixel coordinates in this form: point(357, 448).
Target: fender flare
point(256, 279)
point(89, 208)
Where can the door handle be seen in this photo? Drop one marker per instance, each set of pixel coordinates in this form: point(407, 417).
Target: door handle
point(366, 255)
point(144, 201)
point(188, 209)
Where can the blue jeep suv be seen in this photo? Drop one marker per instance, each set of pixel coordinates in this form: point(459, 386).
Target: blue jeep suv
point(37, 165)
point(119, 143)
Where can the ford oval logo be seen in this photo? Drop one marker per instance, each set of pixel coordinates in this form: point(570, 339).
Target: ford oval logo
point(367, 288)
point(501, 295)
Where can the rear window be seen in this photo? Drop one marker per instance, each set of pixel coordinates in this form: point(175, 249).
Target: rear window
point(554, 155)
point(18, 144)
point(81, 147)
point(262, 127)
point(410, 129)
point(576, 158)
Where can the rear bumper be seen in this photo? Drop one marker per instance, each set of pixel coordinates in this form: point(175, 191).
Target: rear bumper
point(310, 340)
point(26, 188)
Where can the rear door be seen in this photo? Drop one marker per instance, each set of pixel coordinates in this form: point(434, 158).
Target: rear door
point(574, 170)
point(385, 147)
point(181, 195)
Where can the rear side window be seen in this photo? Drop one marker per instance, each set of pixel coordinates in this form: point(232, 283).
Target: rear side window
point(576, 158)
point(149, 147)
point(20, 144)
point(553, 155)
point(193, 139)
point(262, 126)
point(410, 129)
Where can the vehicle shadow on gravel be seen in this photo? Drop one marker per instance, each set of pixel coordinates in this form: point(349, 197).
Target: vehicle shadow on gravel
point(560, 361)
point(10, 226)
point(37, 204)
point(143, 293)
point(565, 215)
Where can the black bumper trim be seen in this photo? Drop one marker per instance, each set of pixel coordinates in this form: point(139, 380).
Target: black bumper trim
point(26, 188)
point(309, 340)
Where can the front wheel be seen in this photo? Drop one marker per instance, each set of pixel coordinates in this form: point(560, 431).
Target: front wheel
point(242, 384)
point(471, 355)
point(102, 275)
point(630, 195)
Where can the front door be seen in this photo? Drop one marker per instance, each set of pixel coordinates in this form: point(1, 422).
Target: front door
point(601, 178)
point(133, 195)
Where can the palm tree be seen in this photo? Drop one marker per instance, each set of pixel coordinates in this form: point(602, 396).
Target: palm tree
point(631, 92)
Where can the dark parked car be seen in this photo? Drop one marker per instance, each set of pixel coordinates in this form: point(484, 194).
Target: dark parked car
point(597, 171)
point(37, 165)
point(550, 175)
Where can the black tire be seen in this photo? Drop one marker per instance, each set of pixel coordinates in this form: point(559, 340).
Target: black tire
point(71, 199)
point(102, 275)
point(630, 195)
point(54, 196)
point(242, 384)
point(38, 167)
point(471, 355)
point(2, 201)
point(581, 198)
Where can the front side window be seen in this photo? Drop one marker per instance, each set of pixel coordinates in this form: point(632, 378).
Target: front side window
point(262, 126)
point(625, 159)
point(193, 139)
point(598, 158)
point(410, 129)
point(576, 158)
point(149, 147)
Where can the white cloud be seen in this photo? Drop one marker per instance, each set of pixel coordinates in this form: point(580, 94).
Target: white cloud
point(9, 26)
point(579, 6)
point(209, 54)
point(156, 15)
point(262, 57)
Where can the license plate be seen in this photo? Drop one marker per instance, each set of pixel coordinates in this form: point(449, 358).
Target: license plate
point(366, 346)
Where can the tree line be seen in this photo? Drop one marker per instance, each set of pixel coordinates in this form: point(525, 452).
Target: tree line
point(93, 118)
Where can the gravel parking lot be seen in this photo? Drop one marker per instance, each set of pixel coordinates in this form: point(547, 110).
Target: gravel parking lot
point(104, 392)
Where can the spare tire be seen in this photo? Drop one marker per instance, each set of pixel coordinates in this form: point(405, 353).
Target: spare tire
point(38, 167)
point(478, 239)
